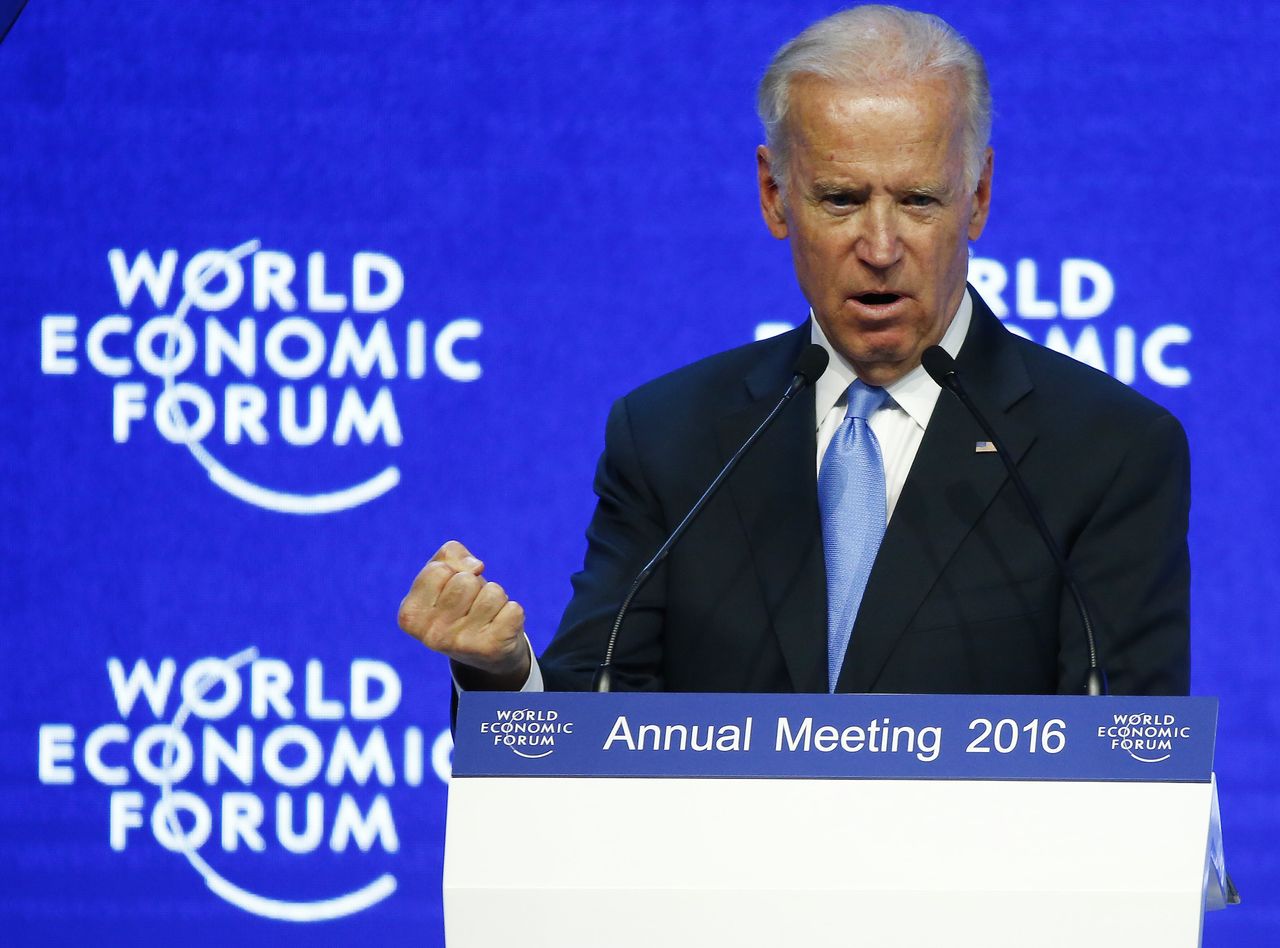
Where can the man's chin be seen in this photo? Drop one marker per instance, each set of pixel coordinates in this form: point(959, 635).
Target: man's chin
point(882, 365)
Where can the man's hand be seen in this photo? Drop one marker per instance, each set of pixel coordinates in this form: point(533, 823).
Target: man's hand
point(451, 610)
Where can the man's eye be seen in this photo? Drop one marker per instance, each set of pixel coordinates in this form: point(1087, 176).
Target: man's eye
point(921, 200)
point(841, 200)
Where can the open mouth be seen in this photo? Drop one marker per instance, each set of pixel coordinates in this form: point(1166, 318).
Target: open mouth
point(878, 299)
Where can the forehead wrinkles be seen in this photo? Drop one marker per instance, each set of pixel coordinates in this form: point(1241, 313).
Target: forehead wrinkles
point(905, 127)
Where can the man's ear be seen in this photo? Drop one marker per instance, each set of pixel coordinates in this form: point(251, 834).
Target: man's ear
point(771, 203)
point(981, 199)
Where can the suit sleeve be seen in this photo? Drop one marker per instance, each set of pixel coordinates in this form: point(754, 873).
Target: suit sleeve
point(1131, 559)
point(625, 531)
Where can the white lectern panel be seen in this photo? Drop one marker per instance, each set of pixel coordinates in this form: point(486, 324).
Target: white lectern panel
point(643, 862)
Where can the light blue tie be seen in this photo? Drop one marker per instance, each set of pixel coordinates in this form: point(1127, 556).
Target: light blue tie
point(852, 498)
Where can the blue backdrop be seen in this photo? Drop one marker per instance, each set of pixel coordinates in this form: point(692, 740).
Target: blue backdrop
point(294, 292)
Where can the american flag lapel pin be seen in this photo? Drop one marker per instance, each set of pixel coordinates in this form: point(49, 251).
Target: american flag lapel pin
point(984, 447)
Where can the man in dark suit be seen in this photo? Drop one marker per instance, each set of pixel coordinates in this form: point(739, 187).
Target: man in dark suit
point(877, 171)
point(963, 597)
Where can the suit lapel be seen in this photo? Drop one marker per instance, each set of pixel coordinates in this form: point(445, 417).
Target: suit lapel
point(775, 493)
point(947, 491)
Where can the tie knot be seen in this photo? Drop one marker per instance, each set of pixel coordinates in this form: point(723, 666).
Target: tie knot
point(864, 400)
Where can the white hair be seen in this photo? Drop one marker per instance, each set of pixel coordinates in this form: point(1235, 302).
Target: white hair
point(876, 45)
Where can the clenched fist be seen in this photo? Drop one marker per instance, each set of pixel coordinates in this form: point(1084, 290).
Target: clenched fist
point(452, 610)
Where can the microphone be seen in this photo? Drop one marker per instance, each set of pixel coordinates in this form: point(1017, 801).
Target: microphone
point(808, 369)
point(942, 369)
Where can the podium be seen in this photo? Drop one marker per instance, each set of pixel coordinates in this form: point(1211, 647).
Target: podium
point(882, 820)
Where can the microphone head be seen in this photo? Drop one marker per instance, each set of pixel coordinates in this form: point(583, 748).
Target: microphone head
point(811, 364)
point(939, 364)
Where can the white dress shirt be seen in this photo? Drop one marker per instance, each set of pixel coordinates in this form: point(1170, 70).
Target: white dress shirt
point(898, 424)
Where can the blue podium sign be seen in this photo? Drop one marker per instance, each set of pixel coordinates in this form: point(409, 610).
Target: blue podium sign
point(905, 737)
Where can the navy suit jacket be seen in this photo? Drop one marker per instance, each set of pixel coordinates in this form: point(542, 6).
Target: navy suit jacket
point(963, 597)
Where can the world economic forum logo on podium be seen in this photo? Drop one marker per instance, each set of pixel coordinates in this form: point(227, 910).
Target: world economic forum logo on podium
point(527, 732)
point(278, 373)
point(1148, 738)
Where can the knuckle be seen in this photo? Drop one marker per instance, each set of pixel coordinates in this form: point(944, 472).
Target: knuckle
point(433, 574)
point(436, 568)
point(507, 626)
point(460, 558)
point(458, 595)
point(457, 582)
point(405, 614)
point(416, 623)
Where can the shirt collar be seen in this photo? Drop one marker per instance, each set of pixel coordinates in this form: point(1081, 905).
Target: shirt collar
point(915, 393)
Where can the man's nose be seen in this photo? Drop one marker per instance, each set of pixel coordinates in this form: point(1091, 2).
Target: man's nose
point(878, 242)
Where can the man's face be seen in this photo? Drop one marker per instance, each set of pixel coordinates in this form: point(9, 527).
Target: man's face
point(878, 216)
